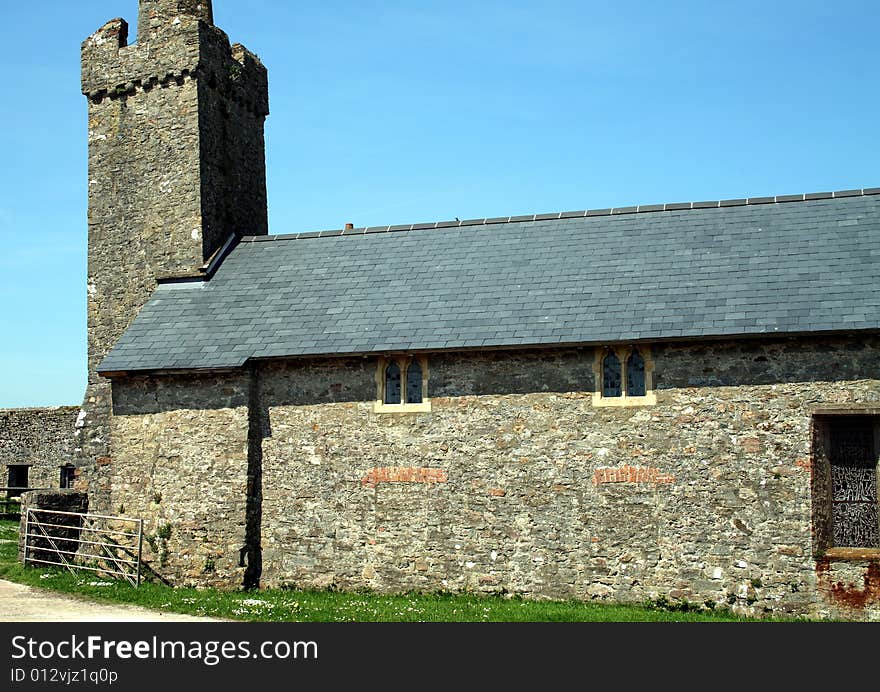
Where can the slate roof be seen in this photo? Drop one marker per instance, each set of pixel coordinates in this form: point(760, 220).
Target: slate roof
point(776, 265)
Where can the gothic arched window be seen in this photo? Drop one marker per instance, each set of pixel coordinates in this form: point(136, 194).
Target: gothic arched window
point(624, 376)
point(402, 385)
point(414, 383)
point(392, 383)
point(635, 374)
point(612, 384)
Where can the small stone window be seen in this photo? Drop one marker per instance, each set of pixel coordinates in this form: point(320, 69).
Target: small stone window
point(414, 383)
point(624, 376)
point(17, 478)
point(68, 474)
point(402, 385)
point(846, 517)
point(392, 383)
point(612, 380)
point(635, 374)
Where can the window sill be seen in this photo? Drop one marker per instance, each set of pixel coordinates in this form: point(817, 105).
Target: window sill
point(380, 407)
point(853, 553)
point(624, 401)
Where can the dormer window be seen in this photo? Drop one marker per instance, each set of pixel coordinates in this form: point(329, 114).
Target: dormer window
point(402, 385)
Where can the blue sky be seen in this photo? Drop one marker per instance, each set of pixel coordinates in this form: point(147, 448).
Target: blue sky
point(402, 112)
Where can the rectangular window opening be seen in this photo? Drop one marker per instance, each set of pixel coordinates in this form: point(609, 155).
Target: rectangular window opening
point(67, 477)
point(18, 478)
point(845, 497)
point(624, 376)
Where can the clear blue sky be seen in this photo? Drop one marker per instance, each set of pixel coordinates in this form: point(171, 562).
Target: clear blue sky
point(402, 112)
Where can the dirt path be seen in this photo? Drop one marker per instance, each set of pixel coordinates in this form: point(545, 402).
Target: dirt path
point(27, 604)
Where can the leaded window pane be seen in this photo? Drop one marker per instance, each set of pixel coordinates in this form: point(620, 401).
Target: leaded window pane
point(18, 478)
point(392, 383)
point(414, 383)
point(611, 375)
point(854, 487)
point(635, 374)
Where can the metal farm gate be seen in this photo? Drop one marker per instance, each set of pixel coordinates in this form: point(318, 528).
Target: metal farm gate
point(92, 542)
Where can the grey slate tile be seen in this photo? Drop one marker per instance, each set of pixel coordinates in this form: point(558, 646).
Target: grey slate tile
point(534, 280)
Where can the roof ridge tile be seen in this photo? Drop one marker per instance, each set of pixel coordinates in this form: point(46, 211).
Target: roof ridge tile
point(609, 211)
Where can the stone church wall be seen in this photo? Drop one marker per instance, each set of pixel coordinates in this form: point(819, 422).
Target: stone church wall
point(40, 437)
point(514, 482)
point(180, 447)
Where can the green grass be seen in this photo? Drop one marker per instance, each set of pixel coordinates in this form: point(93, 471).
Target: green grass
point(327, 606)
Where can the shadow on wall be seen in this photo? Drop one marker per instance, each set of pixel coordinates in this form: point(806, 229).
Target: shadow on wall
point(142, 395)
point(767, 361)
point(314, 381)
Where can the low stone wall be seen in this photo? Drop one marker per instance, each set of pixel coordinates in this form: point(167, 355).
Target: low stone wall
point(41, 437)
point(58, 500)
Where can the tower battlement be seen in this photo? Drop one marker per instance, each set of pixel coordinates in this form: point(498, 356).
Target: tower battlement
point(156, 16)
point(188, 47)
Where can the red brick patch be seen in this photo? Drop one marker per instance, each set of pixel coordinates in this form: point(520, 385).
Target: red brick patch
point(631, 474)
point(403, 474)
point(803, 463)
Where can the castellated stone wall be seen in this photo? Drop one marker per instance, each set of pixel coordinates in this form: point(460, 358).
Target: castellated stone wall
point(42, 437)
point(176, 166)
point(514, 482)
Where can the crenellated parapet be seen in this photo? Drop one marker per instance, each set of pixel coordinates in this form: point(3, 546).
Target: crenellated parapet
point(155, 17)
point(188, 48)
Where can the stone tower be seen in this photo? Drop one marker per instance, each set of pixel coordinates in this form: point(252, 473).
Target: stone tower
point(176, 168)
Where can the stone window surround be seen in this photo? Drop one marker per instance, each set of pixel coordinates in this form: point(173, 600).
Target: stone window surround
point(403, 361)
point(623, 351)
point(819, 420)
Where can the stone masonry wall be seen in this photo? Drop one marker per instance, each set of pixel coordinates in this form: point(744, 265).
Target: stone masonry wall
point(181, 465)
point(514, 482)
point(176, 166)
point(43, 437)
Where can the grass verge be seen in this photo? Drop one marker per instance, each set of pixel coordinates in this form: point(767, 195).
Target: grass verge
point(326, 606)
